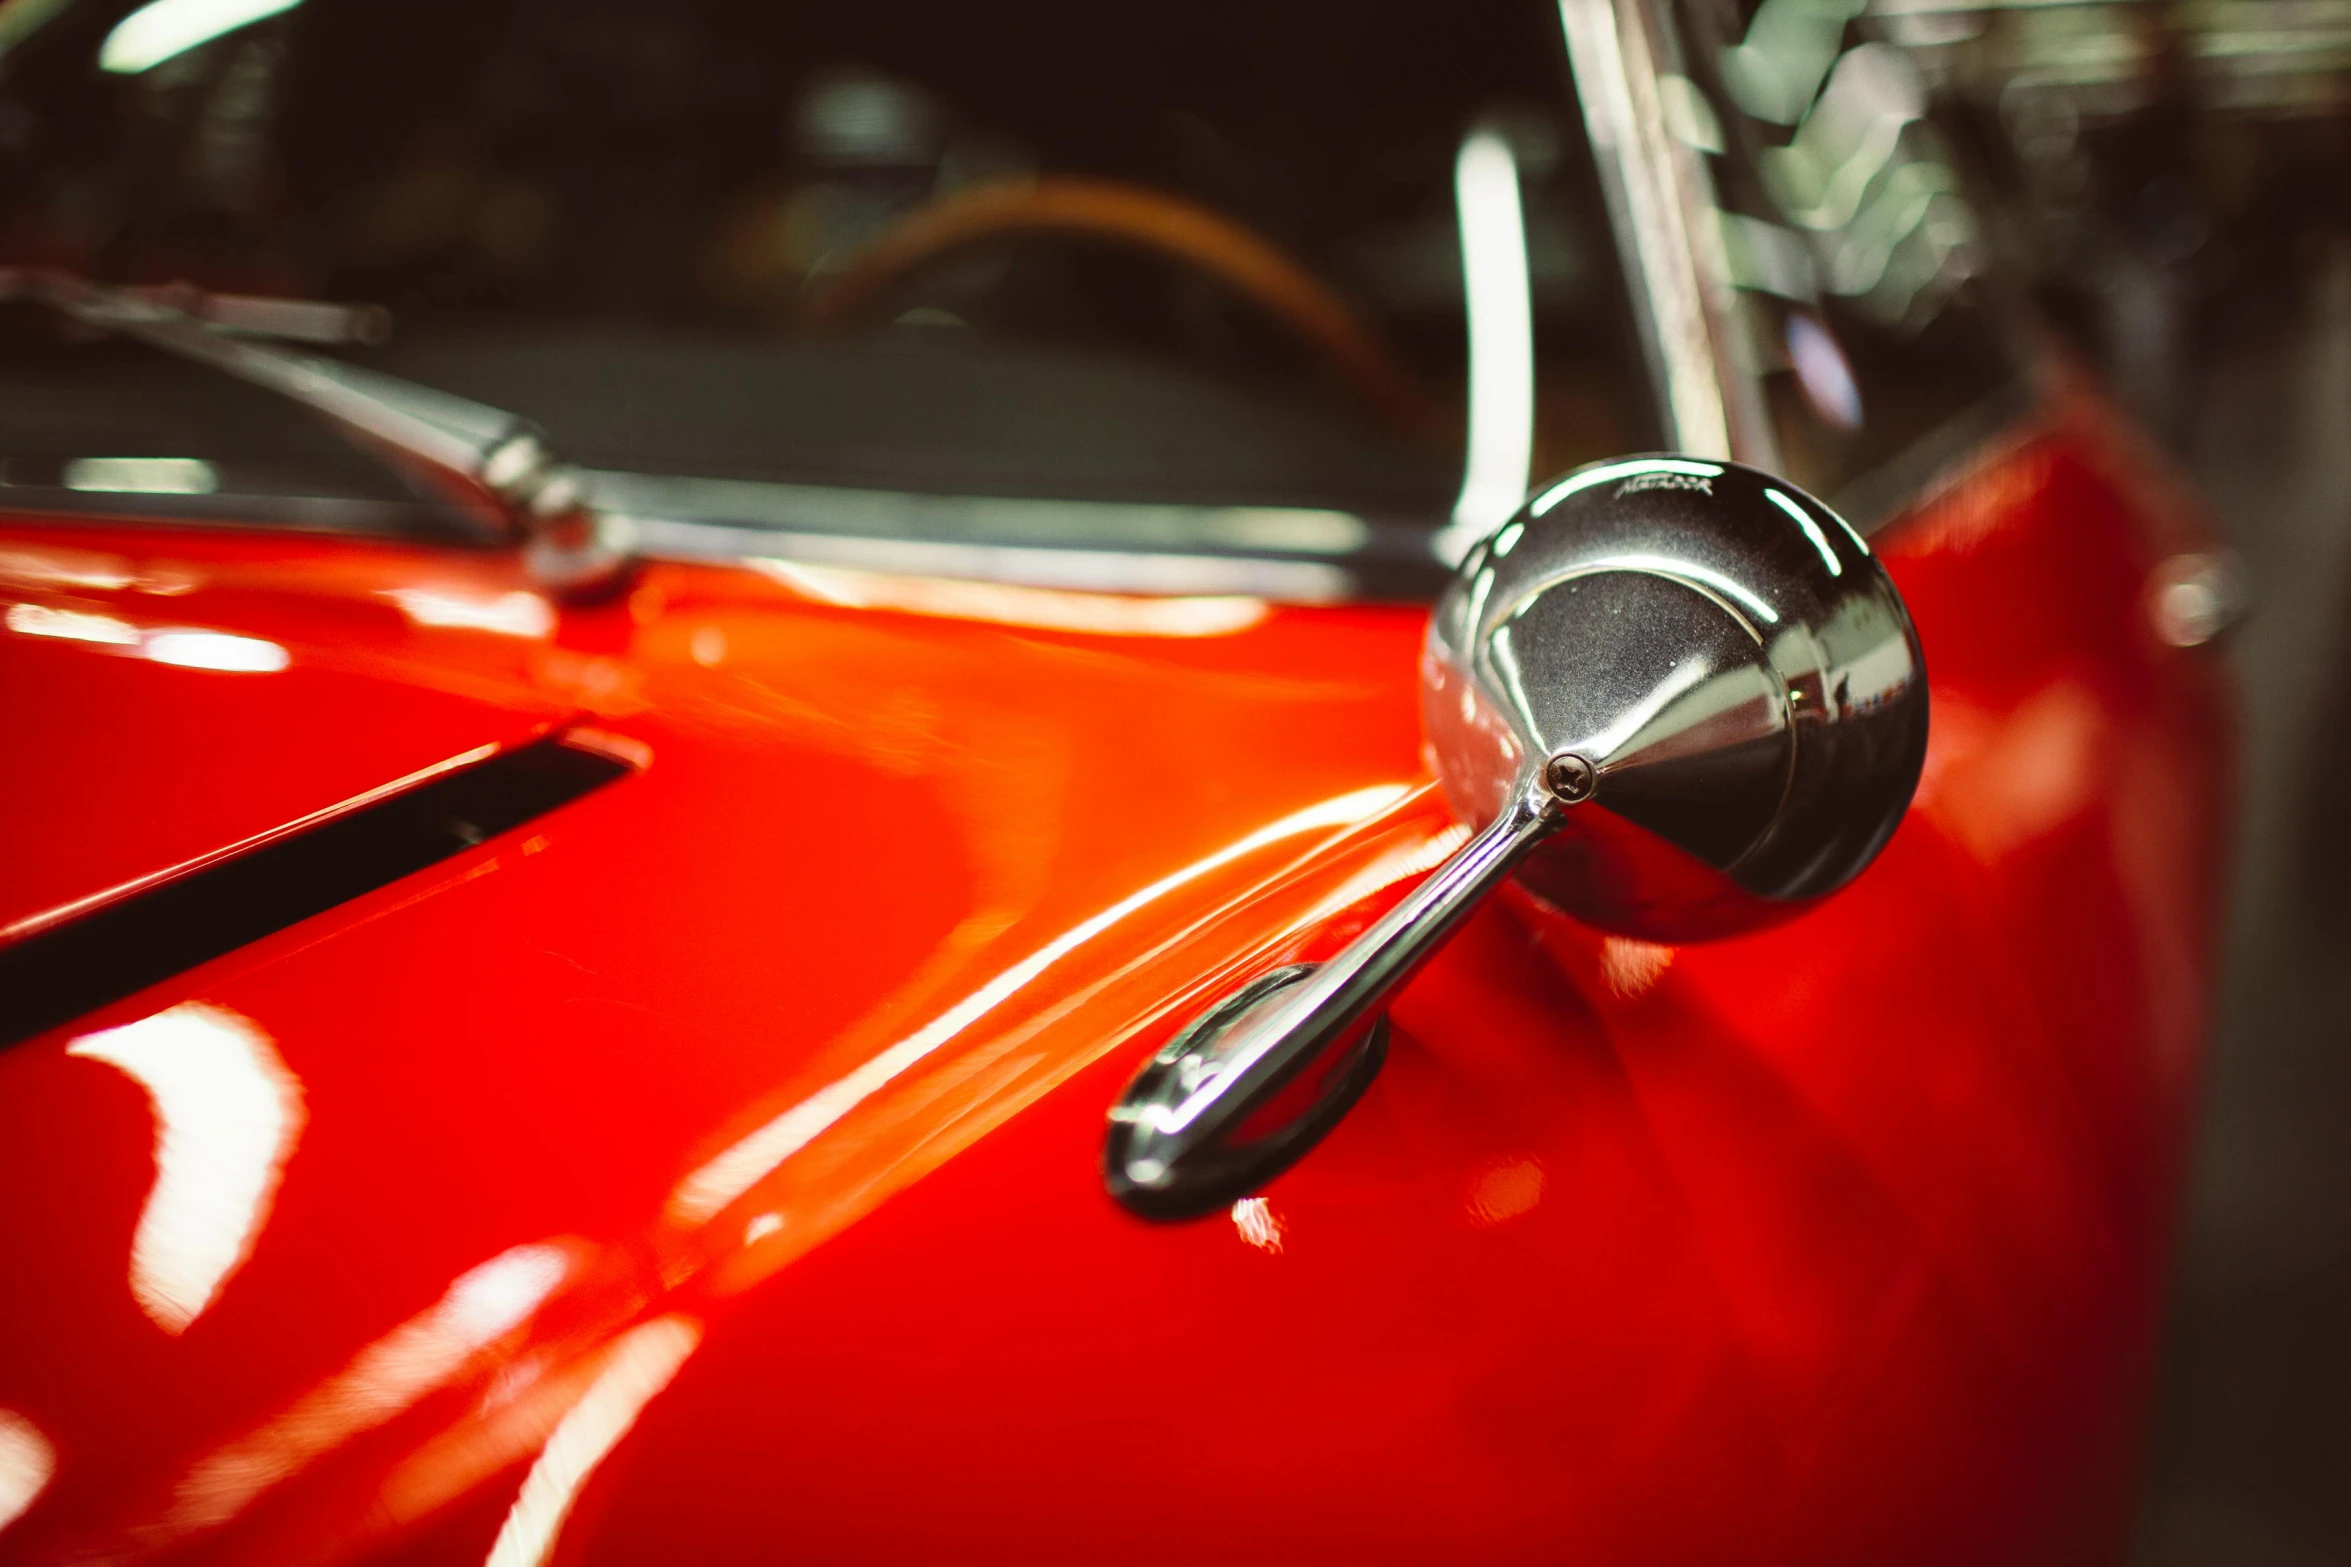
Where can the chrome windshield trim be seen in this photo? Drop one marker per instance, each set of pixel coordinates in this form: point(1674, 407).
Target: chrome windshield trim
point(1151, 573)
point(825, 508)
point(1292, 554)
point(1608, 51)
point(1661, 203)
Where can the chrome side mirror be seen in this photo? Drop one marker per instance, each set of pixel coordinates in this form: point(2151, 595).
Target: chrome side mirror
point(1677, 698)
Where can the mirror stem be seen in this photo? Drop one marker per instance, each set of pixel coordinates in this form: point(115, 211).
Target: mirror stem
point(1266, 1053)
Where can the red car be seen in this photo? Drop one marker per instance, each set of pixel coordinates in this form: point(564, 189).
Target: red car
point(734, 826)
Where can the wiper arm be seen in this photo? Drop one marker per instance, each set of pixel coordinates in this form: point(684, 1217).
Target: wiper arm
point(318, 321)
point(491, 460)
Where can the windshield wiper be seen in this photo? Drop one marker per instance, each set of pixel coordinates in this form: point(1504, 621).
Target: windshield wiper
point(492, 461)
point(325, 323)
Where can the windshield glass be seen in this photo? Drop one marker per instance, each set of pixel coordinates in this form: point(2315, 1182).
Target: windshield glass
point(1205, 255)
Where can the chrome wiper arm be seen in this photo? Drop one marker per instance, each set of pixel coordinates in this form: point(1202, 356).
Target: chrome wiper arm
point(492, 460)
point(318, 321)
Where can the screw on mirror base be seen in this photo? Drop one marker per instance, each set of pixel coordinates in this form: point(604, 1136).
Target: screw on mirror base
point(1570, 778)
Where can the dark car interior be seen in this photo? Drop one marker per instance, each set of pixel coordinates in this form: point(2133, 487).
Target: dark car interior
point(1033, 250)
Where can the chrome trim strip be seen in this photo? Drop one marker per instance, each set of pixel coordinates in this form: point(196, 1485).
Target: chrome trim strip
point(1498, 297)
point(1292, 554)
point(1615, 78)
point(908, 514)
point(1087, 570)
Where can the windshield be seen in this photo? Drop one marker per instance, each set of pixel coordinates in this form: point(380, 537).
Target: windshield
point(1209, 255)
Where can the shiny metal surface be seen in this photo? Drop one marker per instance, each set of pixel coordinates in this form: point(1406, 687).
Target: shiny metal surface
point(1678, 698)
point(325, 322)
point(1139, 1161)
point(1291, 554)
point(2197, 595)
point(1613, 47)
point(1177, 1145)
point(489, 458)
point(1727, 654)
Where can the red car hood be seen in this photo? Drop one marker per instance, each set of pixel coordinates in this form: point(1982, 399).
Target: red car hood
point(147, 742)
point(322, 1235)
point(708, 1169)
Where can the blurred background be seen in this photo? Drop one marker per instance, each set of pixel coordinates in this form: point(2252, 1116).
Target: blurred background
point(2176, 179)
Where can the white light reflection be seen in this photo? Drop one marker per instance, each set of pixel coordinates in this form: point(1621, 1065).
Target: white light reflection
point(227, 1114)
point(1823, 373)
point(1633, 469)
point(1409, 860)
point(85, 570)
point(1631, 967)
point(642, 1364)
point(1005, 604)
point(158, 32)
point(1820, 540)
point(186, 648)
point(516, 614)
point(1501, 338)
point(215, 650)
point(142, 475)
point(26, 1463)
point(388, 1376)
point(1255, 1221)
point(71, 625)
point(734, 1172)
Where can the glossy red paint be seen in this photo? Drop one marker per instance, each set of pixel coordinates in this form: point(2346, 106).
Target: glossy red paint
point(708, 1171)
point(210, 734)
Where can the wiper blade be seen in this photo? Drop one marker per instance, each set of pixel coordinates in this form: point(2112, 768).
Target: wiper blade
point(496, 462)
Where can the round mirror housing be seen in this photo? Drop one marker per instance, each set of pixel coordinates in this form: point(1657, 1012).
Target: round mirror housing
point(1709, 665)
point(1677, 698)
